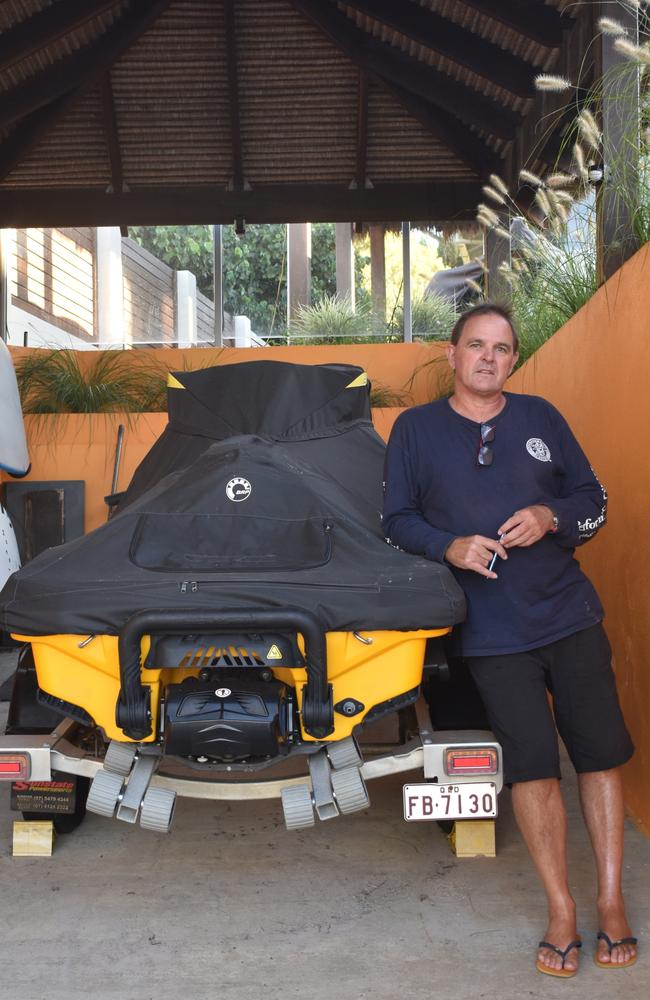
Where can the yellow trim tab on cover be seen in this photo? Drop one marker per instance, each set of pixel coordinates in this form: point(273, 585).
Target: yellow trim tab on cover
point(173, 383)
point(360, 380)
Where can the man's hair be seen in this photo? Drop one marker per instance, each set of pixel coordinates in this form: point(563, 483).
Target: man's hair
point(485, 309)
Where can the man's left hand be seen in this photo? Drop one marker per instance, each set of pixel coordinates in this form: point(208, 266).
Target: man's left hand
point(527, 526)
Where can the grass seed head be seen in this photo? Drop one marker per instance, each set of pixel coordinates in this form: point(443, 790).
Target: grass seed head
point(610, 26)
point(549, 82)
point(489, 214)
point(529, 178)
point(499, 184)
point(492, 193)
point(560, 180)
point(638, 53)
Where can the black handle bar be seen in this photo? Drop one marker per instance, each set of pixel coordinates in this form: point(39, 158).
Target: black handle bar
point(133, 709)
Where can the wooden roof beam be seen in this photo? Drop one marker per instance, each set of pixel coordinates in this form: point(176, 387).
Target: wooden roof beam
point(452, 41)
point(183, 204)
point(362, 129)
point(82, 69)
point(46, 26)
point(532, 19)
point(387, 65)
point(233, 94)
point(112, 135)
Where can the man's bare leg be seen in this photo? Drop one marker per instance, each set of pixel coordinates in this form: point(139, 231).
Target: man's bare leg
point(601, 797)
point(541, 817)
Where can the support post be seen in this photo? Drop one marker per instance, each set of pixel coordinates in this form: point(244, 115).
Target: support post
point(618, 193)
point(406, 282)
point(298, 267)
point(344, 262)
point(242, 328)
point(109, 287)
point(378, 276)
point(217, 282)
point(185, 311)
point(497, 252)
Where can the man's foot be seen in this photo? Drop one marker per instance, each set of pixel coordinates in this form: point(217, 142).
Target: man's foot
point(558, 952)
point(616, 946)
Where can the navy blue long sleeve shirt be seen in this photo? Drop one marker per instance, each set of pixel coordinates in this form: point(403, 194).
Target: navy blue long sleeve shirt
point(435, 491)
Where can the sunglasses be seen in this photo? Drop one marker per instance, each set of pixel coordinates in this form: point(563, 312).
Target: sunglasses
point(485, 454)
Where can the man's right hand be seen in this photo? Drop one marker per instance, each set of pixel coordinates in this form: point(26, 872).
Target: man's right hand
point(475, 552)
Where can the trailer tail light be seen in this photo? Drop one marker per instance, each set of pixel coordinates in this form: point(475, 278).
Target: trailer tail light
point(471, 760)
point(15, 766)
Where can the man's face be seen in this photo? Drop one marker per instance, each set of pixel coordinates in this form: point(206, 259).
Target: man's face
point(484, 355)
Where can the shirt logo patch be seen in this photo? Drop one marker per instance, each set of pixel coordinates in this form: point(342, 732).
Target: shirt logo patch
point(539, 450)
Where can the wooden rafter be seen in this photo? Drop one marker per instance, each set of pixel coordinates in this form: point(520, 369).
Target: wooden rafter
point(112, 135)
point(81, 69)
point(452, 41)
point(233, 94)
point(469, 148)
point(362, 129)
point(30, 131)
point(388, 65)
point(47, 26)
point(531, 19)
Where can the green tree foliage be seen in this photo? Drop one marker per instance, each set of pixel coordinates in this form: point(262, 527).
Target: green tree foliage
point(185, 248)
point(254, 266)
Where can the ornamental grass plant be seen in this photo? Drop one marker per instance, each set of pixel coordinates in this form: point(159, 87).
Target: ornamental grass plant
point(432, 318)
point(56, 382)
point(332, 320)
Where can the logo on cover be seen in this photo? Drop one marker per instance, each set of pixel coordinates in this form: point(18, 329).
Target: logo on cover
point(223, 692)
point(537, 448)
point(238, 489)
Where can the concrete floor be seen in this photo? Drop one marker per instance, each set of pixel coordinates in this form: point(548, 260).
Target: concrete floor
point(231, 905)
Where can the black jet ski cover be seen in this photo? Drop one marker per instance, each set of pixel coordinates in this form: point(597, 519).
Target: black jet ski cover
point(264, 491)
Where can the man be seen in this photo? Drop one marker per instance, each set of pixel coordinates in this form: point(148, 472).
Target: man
point(495, 485)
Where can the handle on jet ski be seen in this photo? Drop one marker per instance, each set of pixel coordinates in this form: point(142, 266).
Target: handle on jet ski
point(133, 710)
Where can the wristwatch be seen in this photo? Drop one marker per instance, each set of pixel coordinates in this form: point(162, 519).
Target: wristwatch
point(556, 523)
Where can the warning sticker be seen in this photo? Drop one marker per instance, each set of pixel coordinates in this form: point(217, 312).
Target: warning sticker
point(274, 653)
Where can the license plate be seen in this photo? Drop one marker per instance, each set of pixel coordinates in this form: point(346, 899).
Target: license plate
point(473, 800)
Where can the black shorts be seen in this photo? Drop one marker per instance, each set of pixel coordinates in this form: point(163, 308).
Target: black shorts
point(578, 674)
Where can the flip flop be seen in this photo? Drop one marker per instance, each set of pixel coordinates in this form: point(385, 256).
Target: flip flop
point(561, 973)
point(601, 936)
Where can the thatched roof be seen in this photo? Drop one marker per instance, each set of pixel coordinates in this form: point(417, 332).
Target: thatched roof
point(179, 111)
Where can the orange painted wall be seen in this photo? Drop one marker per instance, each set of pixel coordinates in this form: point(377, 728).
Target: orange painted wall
point(596, 370)
point(82, 446)
point(409, 369)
